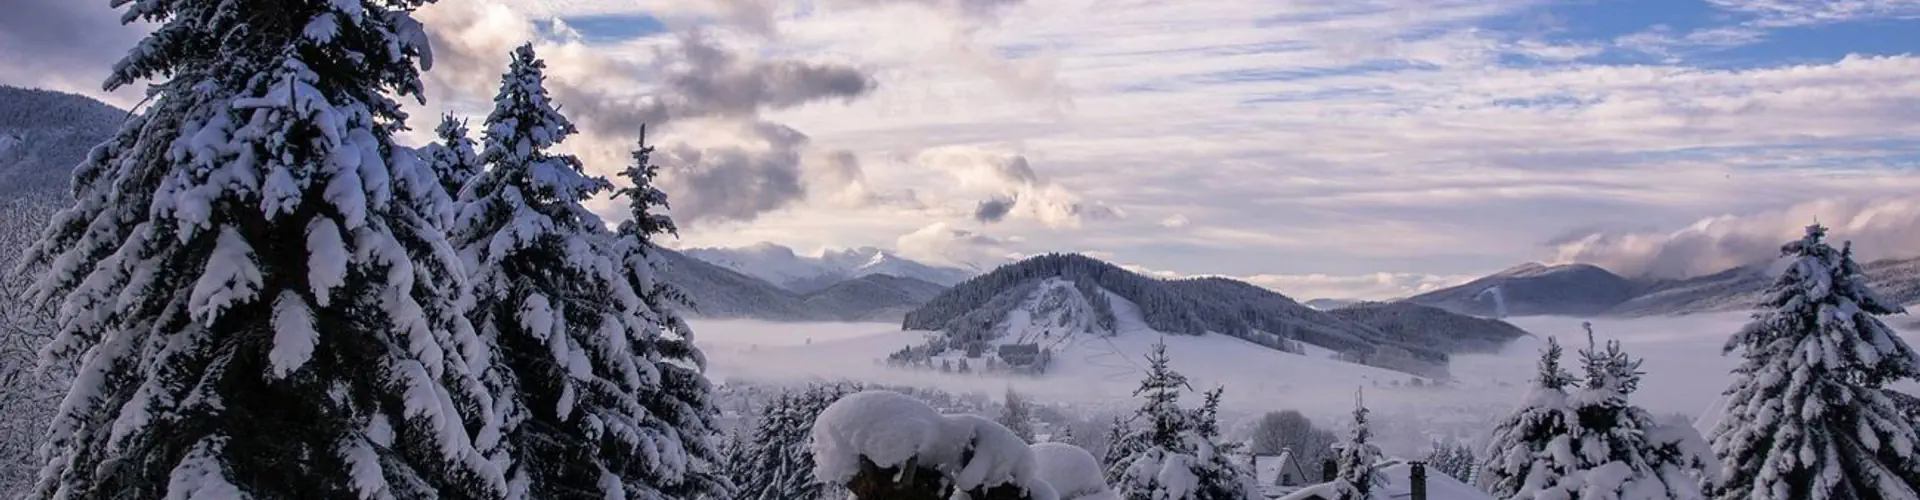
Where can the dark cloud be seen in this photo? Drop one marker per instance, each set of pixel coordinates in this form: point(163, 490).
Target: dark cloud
point(735, 183)
point(703, 79)
point(993, 210)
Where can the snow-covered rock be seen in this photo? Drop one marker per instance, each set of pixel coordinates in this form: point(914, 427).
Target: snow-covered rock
point(893, 430)
point(1072, 471)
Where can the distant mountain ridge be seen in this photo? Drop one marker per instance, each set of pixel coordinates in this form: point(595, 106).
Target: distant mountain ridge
point(718, 292)
point(982, 309)
point(1590, 291)
point(787, 269)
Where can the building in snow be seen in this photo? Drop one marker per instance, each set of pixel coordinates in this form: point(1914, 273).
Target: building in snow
point(1399, 485)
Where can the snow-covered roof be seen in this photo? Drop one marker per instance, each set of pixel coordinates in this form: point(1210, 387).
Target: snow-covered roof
point(1399, 485)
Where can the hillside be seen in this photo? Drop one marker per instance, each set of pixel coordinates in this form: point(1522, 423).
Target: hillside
point(787, 269)
point(1432, 326)
point(1070, 295)
point(874, 297)
point(718, 292)
point(1535, 289)
point(1742, 288)
point(44, 134)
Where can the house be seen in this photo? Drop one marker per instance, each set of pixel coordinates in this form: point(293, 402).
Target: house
point(1280, 474)
point(1398, 485)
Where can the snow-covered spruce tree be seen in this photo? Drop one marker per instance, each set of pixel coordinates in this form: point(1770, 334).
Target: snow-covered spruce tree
point(256, 205)
point(1516, 463)
point(1173, 455)
point(774, 461)
point(684, 399)
point(578, 365)
point(1806, 416)
point(452, 157)
point(1017, 415)
point(1357, 456)
point(1614, 444)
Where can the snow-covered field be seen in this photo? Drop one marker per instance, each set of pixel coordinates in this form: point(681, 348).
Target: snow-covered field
point(1684, 368)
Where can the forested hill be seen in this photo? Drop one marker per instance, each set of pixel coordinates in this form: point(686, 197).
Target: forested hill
point(1184, 307)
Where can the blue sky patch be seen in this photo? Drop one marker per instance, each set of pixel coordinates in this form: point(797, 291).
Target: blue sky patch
point(612, 28)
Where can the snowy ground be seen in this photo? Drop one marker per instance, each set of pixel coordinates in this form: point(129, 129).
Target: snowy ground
point(1685, 370)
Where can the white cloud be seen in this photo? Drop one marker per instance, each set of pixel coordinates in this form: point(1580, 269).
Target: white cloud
point(1175, 221)
point(1304, 287)
point(1879, 228)
point(942, 244)
point(1011, 187)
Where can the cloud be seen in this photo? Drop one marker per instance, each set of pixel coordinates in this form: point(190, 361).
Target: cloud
point(1175, 221)
point(1790, 13)
point(837, 178)
point(1879, 228)
point(993, 210)
point(1013, 188)
point(721, 159)
point(1304, 287)
point(942, 244)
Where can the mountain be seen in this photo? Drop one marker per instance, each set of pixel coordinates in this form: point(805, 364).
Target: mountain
point(1432, 326)
point(1535, 289)
point(1052, 298)
point(779, 265)
point(874, 297)
point(1331, 304)
point(718, 292)
point(44, 134)
point(1586, 290)
point(1743, 288)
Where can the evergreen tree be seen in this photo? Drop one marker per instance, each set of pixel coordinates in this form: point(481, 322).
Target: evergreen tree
point(1614, 445)
point(1806, 416)
point(1017, 415)
point(1453, 459)
point(1515, 463)
point(257, 203)
point(683, 400)
point(775, 461)
point(452, 157)
point(1357, 458)
point(581, 364)
point(1144, 463)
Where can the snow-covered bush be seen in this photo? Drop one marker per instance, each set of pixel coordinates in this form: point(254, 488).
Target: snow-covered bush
point(886, 445)
point(1072, 472)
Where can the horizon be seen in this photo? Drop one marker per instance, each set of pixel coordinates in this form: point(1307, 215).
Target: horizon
point(1325, 150)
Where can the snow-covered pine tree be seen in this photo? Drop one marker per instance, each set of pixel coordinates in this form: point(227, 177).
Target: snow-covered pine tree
point(1806, 416)
point(680, 406)
point(1174, 456)
point(452, 157)
point(1612, 442)
point(1358, 479)
point(775, 460)
point(1516, 463)
point(256, 204)
point(577, 366)
point(1017, 416)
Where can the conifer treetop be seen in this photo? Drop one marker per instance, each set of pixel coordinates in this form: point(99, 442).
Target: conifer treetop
point(647, 203)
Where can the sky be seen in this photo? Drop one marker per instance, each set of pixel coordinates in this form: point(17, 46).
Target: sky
point(1326, 148)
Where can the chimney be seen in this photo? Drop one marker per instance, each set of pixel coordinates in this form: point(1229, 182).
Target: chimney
point(1418, 471)
point(1329, 470)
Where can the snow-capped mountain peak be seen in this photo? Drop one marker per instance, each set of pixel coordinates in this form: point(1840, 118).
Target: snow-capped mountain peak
point(794, 271)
